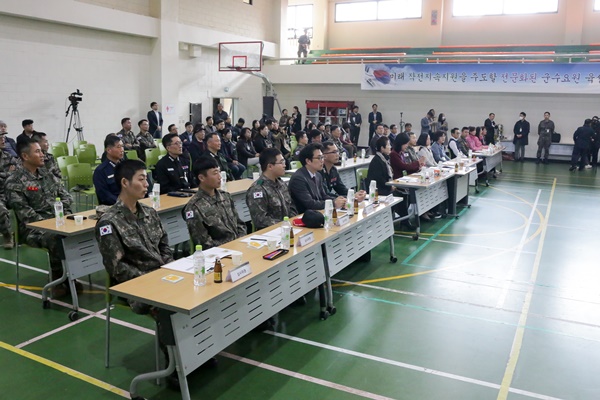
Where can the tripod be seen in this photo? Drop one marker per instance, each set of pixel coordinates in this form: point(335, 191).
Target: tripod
point(74, 121)
point(401, 123)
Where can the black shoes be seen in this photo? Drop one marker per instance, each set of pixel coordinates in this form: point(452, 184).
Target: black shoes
point(537, 161)
point(573, 168)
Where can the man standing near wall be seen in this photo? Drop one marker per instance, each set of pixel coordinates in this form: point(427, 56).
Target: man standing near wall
point(156, 120)
point(490, 129)
point(355, 120)
point(375, 118)
point(303, 43)
point(521, 139)
point(545, 131)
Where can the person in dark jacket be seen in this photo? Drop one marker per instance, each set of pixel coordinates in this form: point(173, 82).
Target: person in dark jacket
point(198, 146)
point(262, 141)
point(490, 129)
point(173, 171)
point(380, 169)
point(521, 139)
point(245, 149)
point(228, 150)
point(583, 138)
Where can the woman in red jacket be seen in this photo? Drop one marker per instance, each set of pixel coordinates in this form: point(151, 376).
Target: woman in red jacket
point(400, 159)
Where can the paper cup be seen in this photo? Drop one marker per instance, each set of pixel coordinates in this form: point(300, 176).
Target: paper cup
point(255, 176)
point(236, 258)
point(272, 244)
point(79, 220)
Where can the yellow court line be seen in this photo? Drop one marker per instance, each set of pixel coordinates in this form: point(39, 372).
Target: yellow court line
point(10, 285)
point(66, 370)
point(519, 334)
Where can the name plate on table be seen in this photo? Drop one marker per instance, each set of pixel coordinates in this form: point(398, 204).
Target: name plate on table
point(368, 209)
point(343, 220)
point(388, 199)
point(305, 239)
point(238, 272)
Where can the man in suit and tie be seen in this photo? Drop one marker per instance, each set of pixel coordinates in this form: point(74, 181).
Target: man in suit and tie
point(156, 120)
point(306, 185)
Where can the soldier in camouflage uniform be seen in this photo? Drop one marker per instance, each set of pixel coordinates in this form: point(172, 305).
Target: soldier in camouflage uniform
point(7, 165)
point(130, 235)
point(31, 193)
point(145, 139)
point(127, 136)
point(545, 131)
point(49, 162)
point(210, 215)
point(268, 198)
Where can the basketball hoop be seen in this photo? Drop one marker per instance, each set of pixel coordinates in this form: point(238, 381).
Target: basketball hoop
point(240, 56)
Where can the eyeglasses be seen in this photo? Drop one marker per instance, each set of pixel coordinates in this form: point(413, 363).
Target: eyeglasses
point(176, 144)
point(282, 162)
point(320, 158)
point(332, 152)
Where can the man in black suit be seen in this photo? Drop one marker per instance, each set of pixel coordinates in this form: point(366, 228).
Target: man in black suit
point(490, 129)
point(355, 121)
point(375, 118)
point(28, 131)
point(156, 120)
point(306, 185)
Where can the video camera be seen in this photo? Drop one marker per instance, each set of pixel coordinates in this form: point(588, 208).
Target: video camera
point(76, 97)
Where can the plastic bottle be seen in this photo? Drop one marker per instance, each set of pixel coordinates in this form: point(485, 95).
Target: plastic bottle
point(156, 196)
point(286, 227)
point(470, 154)
point(372, 189)
point(344, 158)
point(362, 153)
point(223, 180)
point(350, 202)
point(328, 213)
point(199, 267)
point(59, 213)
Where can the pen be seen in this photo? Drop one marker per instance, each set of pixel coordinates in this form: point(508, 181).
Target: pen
point(260, 240)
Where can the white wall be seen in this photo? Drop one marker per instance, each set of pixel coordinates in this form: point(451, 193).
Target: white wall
point(44, 62)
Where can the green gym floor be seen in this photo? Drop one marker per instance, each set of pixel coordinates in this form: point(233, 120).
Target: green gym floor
point(501, 303)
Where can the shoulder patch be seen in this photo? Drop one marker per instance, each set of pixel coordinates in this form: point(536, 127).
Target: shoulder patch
point(189, 214)
point(258, 195)
point(105, 230)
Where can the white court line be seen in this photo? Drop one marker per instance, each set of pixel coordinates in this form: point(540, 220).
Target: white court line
point(427, 296)
point(517, 256)
point(306, 378)
point(484, 199)
point(480, 246)
point(52, 332)
point(407, 366)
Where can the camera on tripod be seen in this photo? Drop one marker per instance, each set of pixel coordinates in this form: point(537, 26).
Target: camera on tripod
point(75, 97)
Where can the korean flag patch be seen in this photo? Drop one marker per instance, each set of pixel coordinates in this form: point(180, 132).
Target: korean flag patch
point(258, 195)
point(189, 214)
point(105, 230)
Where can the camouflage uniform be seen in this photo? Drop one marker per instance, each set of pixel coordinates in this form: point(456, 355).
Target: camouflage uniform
point(296, 156)
point(129, 140)
point(6, 161)
point(269, 201)
point(213, 220)
point(132, 244)
point(146, 141)
point(51, 165)
point(32, 197)
point(545, 131)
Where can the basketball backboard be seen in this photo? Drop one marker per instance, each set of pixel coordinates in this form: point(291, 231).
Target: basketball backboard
point(240, 56)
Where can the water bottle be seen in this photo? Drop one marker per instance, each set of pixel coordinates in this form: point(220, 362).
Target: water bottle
point(223, 180)
point(344, 158)
point(156, 196)
point(372, 188)
point(59, 213)
point(470, 154)
point(350, 202)
point(362, 153)
point(199, 267)
point(286, 227)
point(328, 213)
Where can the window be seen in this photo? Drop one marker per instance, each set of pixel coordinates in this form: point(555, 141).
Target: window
point(377, 10)
point(299, 18)
point(467, 8)
point(596, 5)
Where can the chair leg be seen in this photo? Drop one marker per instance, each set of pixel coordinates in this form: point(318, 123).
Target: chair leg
point(107, 346)
point(17, 264)
point(157, 351)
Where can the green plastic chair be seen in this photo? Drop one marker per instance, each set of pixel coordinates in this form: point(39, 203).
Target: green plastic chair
point(86, 154)
point(81, 174)
point(132, 155)
point(77, 143)
point(64, 145)
point(293, 145)
point(152, 157)
point(19, 246)
point(59, 149)
point(163, 151)
point(361, 175)
point(63, 162)
point(295, 164)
